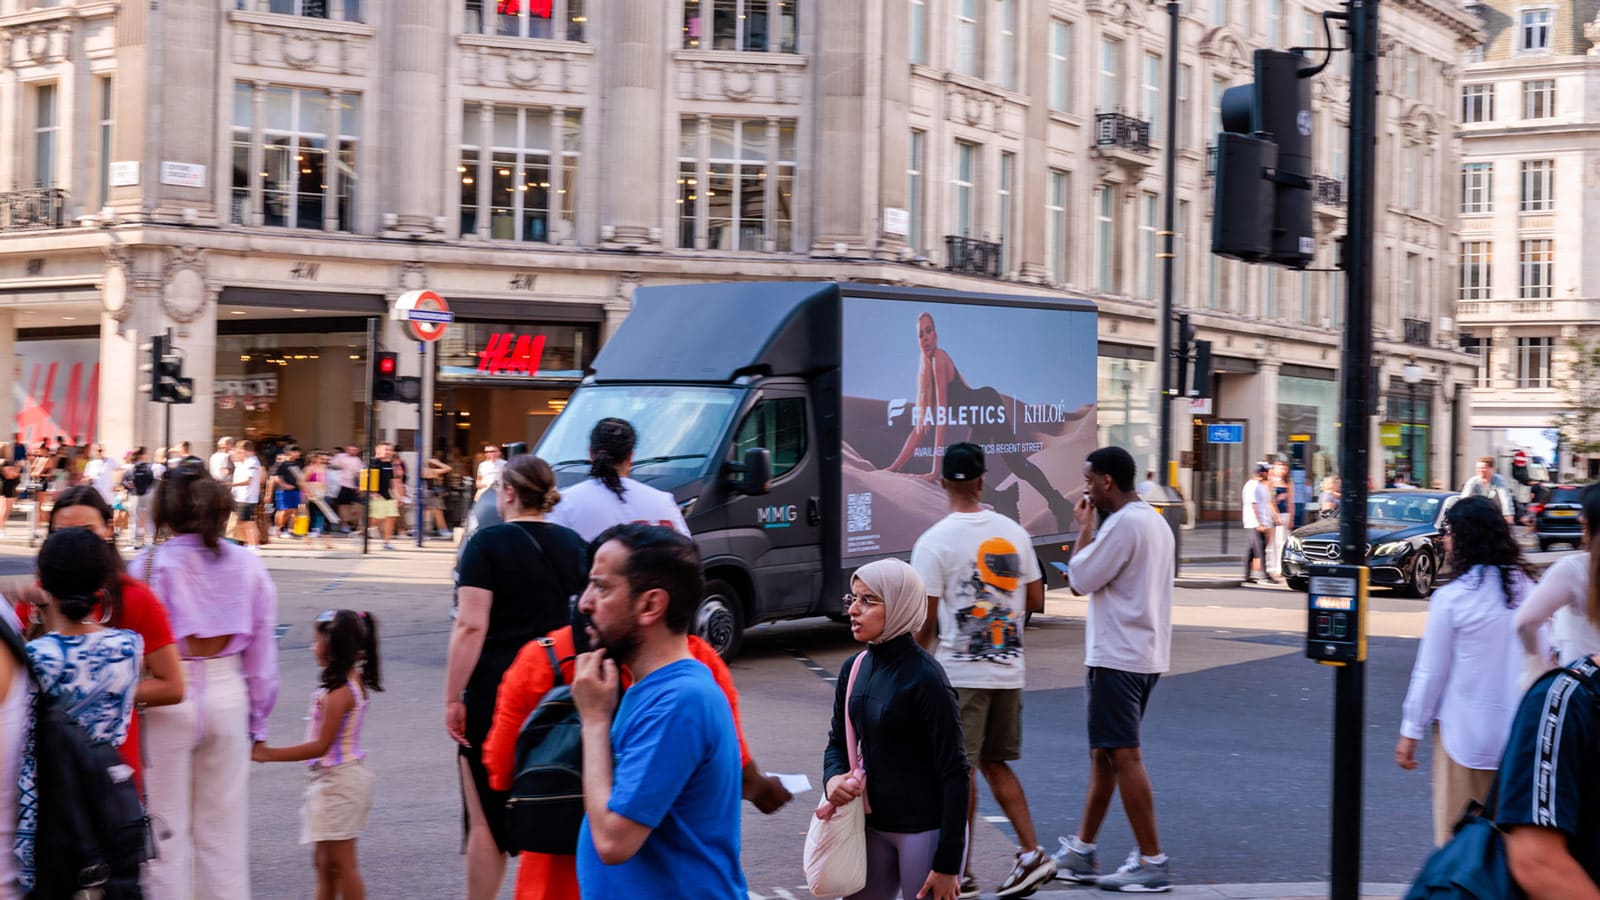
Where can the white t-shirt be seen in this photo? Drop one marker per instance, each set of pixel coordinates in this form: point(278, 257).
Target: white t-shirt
point(1562, 599)
point(250, 468)
point(102, 473)
point(1127, 573)
point(489, 472)
point(221, 464)
point(979, 565)
point(590, 507)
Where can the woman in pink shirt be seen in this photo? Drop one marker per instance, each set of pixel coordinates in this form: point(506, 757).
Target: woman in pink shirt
point(223, 608)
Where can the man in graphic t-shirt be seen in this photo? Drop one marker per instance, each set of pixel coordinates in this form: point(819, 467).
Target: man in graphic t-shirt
point(982, 580)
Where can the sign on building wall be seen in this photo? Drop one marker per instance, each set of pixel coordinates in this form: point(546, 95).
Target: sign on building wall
point(125, 174)
point(183, 174)
point(56, 389)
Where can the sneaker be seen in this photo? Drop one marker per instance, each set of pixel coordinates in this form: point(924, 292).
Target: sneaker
point(1138, 876)
point(388, 546)
point(1079, 868)
point(1033, 868)
point(969, 888)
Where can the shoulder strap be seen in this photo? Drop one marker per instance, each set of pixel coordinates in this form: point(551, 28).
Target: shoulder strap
point(150, 563)
point(849, 723)
point(555, 663)
point(1580, 671)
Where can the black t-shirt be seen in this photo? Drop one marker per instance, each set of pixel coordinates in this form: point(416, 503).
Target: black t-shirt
point(1549, 775)
point(288, 473)
point(533, 590)
point(385, 469)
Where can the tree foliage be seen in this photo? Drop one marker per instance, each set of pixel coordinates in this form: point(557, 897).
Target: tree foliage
point(1579, 382)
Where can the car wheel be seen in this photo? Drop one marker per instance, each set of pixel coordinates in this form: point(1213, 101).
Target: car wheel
point(720, 619)
point(1422, 576)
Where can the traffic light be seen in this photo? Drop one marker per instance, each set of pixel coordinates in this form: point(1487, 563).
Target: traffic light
point(1262, 202)
point(386, 376)
point(164, 372)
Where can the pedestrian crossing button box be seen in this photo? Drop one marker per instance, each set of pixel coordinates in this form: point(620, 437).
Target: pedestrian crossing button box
point(1336, 620)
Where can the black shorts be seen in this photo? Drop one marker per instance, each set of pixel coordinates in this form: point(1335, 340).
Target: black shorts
point(1116, 701)
point(347, 496)
point(246, 512)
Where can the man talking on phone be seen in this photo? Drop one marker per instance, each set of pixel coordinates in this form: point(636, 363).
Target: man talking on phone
point(1124, 563)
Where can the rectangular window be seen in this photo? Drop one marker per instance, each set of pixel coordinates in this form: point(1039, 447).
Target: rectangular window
point(345, 10)
point(308, 147)
point(1055, 225)
point(914, 166)
point(46, 131)
point(1147, 245)
point(1336, 299)
point(1219, 11)
point(962, 183)
point(1410, 286)
point(1060, 73)
point(1105, 238)
point(1477, 187)
point(1539, 98)
point(1150, 95)
point(530, 170)
point(107, 113)
point(1008, 174)
point(1476, 270)
point(1341, 146)
point(1110, 75)
point(1538, 258)
point(1538, 185)
point(740, 195)
point(1477, 103)
point(1307, 301)
point(969, 39)
point(1481, 349)
point(551, 20)
point(1533, 361)
point(745, 25)
point(1180, 265)
point(919, 32)
point(1275, 24)
point(1409, 176)
point(1185, 77)
point(1008, 44)
point(1533, 35)
point(1269, 293)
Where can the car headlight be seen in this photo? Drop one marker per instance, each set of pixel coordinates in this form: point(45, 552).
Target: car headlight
point(1294, 544)
point(1391, 548)
point(687, 506)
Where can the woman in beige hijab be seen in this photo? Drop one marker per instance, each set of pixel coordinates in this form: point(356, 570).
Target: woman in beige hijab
point(913, 769)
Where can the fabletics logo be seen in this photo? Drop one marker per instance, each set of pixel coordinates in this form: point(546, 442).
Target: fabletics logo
point(947, 415)
point(896, 407)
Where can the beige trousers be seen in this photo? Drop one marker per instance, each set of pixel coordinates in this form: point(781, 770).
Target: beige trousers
point(1454, 786)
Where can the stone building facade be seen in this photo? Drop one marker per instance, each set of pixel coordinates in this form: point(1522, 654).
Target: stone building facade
point(265, 176)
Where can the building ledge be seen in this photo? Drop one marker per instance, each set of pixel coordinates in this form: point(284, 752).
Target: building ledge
point(284, 22)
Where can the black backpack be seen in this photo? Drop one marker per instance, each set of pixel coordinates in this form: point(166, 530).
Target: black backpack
point(92, 832)
point(545, 808)
point(142, 478)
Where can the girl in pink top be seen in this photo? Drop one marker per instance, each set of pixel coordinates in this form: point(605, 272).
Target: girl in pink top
point(339, 796)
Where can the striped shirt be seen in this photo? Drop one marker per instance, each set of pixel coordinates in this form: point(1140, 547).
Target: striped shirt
point(346, 746)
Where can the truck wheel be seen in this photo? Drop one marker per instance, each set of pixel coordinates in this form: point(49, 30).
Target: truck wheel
point(720, 620)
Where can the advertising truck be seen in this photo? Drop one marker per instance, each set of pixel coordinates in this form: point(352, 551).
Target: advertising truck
point(800, 426)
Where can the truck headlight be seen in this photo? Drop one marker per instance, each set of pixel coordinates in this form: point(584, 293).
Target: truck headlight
point(687, 506)
point(1390, 549)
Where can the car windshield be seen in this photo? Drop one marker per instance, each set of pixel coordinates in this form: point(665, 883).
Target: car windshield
point(1390, 508)
point(678, 426)
point(1566, 495)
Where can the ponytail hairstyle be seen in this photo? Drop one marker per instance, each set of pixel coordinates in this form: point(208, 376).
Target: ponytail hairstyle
point(189, 501)
point(611, 445)
point(1480, 537)
point(86, 496)
point(74, 565)
point(1591, 527)
point(534, 481)
point(352, 640)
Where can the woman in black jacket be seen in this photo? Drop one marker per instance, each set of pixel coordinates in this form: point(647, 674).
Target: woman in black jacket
point(908, 727)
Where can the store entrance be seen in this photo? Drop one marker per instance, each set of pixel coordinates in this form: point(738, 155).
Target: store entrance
point(468, 417)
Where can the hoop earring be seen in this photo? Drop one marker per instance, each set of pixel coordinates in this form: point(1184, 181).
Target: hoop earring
point(37, 616)
point(105, 614)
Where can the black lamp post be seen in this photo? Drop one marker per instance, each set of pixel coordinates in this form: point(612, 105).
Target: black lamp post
point(1412, 374)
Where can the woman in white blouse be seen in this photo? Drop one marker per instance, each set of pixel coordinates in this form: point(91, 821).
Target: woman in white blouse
point(1469, 662)
point(1567, 599)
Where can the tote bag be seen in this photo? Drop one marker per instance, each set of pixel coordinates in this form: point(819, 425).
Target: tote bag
point(836, 841)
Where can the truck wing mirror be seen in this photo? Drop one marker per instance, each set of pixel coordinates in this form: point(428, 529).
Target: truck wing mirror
point(752, 476)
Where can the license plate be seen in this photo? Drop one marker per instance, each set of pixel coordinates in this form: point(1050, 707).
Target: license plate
point(1563, 513)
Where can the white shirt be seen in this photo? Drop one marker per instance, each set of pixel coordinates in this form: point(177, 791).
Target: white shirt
point(1146, 488)
point(1561, 598)
point(1127, 573)
point(13, 716)
point(1468, 667)
point(590, 507)
point(1258, 508)
point(1496, 489)
point(250, 468)
point(489, 472)
point(221, 463)
point(102, 473)
point(979, 565)
point(346, 470)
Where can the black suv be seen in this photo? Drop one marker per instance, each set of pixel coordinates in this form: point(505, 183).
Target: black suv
point(1555, 520)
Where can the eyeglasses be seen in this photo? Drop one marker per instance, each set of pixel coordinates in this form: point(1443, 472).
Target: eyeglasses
point(1445, 529)
point(867, 600)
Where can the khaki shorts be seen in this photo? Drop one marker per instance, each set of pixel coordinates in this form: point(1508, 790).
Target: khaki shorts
point(380, 508)
point(991, 723)
point(336, 803)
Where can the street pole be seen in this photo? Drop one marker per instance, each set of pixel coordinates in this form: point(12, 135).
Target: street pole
point(1349, 709)
point(1411, 434)
point(372, 427)
point(422, 413)
point(1165, 350)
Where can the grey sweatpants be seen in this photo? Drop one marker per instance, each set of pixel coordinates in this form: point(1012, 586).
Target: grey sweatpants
point(897, 864)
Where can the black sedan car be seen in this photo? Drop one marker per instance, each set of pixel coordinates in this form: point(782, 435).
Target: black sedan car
point(1555, 518)
point(1405, 548)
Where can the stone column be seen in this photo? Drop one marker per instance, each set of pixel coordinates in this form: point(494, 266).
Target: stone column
point(635, 122)
point(196, 422)
point(8, 369)
point(843, 123)
point(1034, 44)
point(414, 98)
point(894, 134)
point(1266, 415)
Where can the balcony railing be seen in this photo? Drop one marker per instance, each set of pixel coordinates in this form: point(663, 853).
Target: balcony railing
point(1327, 190)
point(33, 210)
point(973, 256)
point(1418, 332)
point(1114, 129)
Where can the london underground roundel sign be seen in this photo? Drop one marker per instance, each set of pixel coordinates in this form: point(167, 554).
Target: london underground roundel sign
point(425, 313)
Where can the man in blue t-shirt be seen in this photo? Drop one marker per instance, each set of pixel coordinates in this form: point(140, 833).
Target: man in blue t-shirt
point(1548, 799)
point(661, 780)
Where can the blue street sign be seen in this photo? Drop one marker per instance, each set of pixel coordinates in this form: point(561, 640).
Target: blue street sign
point(1225, 434)
point(438, 317)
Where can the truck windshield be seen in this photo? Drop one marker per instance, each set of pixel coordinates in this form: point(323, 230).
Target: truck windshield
point(678, 427)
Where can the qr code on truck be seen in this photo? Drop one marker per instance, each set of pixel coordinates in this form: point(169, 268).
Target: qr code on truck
point(858, 513)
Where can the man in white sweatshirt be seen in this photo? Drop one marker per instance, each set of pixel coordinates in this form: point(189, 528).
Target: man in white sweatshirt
point(1259, 517)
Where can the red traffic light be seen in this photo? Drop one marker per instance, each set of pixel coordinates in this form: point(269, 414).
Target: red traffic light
point(387, 363)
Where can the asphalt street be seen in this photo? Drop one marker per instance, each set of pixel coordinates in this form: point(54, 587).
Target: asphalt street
point(1237, 736)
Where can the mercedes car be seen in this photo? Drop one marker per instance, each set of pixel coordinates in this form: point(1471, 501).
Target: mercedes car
point(1405, 546)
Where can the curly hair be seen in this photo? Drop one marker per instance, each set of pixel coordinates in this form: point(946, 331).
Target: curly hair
point(1480, 537)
